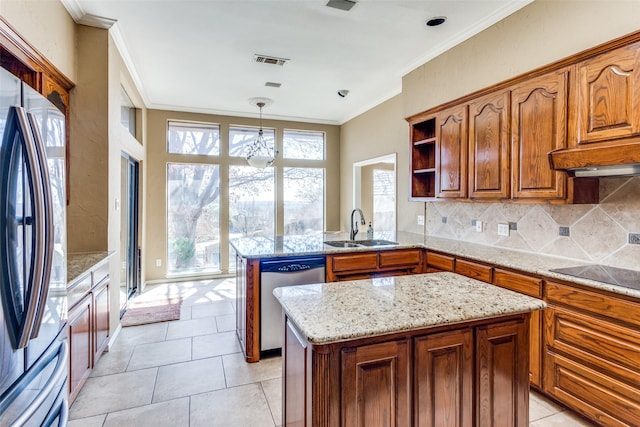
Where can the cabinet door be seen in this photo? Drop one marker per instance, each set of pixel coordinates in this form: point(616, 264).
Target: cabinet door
point(489, 147)
point(533, 287)
point(451, 153)
point(376, 385)
point(101, 318)
point(502, 395)
point(80, 348)
point(608, 95)
point(443, 380)
point(538, 126)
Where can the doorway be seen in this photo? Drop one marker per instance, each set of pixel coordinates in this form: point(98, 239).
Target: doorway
point(130, 268)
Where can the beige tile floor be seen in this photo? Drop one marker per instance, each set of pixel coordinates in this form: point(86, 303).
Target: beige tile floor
point(190, 372)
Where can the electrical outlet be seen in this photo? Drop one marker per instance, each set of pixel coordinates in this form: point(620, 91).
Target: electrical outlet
point(503, 229)
point(420, 219)
point(479, 226)
point(158, 262)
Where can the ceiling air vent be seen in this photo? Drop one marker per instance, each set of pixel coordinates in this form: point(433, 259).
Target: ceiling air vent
point(273, 60)
point(272, 84)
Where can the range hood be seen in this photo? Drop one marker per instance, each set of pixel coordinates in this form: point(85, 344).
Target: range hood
point(598, 159)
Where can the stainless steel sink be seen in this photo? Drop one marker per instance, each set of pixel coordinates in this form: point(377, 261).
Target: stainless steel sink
point(378, 242)
point(359, 243)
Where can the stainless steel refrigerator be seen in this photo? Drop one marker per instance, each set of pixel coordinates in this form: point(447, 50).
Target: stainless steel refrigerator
point(33, 313)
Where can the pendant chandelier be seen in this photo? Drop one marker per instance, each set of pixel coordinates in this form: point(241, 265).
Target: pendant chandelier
point(259, 154)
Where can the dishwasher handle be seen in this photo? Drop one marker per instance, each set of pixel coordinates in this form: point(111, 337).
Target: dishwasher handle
point(291, 265)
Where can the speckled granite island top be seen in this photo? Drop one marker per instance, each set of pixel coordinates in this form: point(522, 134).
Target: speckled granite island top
point(340, 311)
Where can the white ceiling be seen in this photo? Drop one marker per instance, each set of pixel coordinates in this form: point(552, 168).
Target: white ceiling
point(198, 55)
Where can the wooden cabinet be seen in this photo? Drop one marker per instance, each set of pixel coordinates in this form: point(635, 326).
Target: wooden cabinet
point(439, 262)
point(100, 295)
point(608, 96)
point(365, 265)
point(422, 152)
point(451, 153)
point(443, 379)
point(474, 270)
point(489, 147)
point(376, 385)
point(88, 325)
point(531, 286)
point(80, 345)
point(421, 378)
point(539, 125)
point(502, 391)
point(592, 343)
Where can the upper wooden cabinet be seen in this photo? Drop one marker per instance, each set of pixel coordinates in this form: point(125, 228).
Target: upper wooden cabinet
point(451, 153)
point(538, 118)
point(608, 96)
point(489, 147)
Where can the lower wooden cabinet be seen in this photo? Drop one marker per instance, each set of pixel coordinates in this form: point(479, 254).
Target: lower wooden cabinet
point(366, 265)
point(439, 262)
point(531, 286)
point(376, 385)
point(80, 350)
point(443, 379)
point(591, 359)
point(100, 296)
point(469, 375)
point(88, 326)
point(501, 365)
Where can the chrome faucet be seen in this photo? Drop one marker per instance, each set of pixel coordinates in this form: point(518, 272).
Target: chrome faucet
point(354, 225)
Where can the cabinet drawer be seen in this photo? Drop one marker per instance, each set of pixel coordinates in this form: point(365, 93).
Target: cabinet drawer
point(597, 396)
point(100, 273)
point(518, 282)
point(366, 261)
point(474, 270)
point(442, 262)
point(594, 302)
point(612, 348)
point(400, 258)
point(78, 289)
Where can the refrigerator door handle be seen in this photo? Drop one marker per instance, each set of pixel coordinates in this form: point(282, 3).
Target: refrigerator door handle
point(47, 219)
point(34, 281)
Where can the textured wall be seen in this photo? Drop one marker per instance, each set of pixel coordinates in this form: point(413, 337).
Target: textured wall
point(598, 233)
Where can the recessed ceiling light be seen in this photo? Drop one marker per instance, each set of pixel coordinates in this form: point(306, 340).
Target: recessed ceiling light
point(343, 93)
point(436, 20)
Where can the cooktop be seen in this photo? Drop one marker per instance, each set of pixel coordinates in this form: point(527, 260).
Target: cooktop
point(605, 274)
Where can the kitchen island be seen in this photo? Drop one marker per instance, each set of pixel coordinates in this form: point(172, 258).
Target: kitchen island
point(429, 350)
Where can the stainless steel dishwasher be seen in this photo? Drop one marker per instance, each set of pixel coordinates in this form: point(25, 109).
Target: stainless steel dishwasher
point(275, 273)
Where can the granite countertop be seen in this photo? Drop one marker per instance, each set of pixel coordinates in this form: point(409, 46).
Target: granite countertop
point(340, 311)
point(262, 247)
point(79, 263)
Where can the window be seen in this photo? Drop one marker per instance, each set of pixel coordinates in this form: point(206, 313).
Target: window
point(240, 137)
point(193, 138)
point(127, 112)
point(193, 218)
point(251, 202)
point(303, 200)
point(303, 145)
point(384, 199)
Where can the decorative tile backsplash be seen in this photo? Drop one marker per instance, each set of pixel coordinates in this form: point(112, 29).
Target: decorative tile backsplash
point(605, 233)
